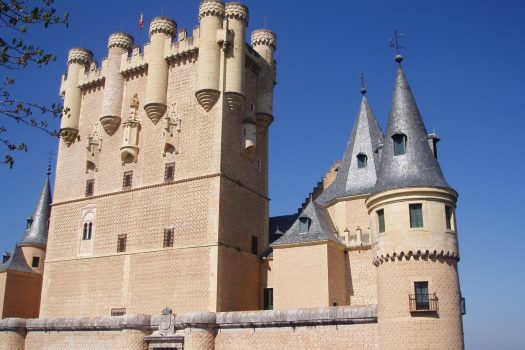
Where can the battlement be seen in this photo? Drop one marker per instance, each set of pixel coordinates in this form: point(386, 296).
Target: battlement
point(237, 10)
point(80, 56)
point(211, 8)
point(163, 25)
point(122, 40)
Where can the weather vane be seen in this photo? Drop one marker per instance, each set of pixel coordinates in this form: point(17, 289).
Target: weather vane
point(363, 87)
point(51, 154)
point(394, 43)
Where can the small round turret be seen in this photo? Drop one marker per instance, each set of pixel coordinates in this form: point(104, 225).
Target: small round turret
point(249, 135)
point(77, 58)
point(211, 13)
point(238, 11)
point(264, 37)
point(118, 44)
point(121, 40)
point(237, 15)
point(162, 25)
point(160, 30)
point(264, 42)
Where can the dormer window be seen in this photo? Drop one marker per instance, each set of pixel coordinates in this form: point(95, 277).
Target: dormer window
point(361, 160)
point(304, 224)
point(400, 144)
point(29, 222)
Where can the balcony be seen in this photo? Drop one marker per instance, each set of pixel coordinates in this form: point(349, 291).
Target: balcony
point(421, 303)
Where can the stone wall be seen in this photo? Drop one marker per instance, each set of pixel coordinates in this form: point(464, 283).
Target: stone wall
point(329, 328)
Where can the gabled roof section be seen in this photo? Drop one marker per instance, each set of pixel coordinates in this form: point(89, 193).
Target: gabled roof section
point(418, 166)
point(17, 262)
point(36, 234)
point(321, 227)
point(365, 139)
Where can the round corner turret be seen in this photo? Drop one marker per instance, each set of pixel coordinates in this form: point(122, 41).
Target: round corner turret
point(80, 56)
point(121, 40)
point(237, 10)
point(163, 25)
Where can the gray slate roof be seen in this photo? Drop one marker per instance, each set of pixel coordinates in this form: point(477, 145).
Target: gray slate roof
point(417, 167)
point(17, 262)
point(321, 227)
point(365, 139)
point(36, 234)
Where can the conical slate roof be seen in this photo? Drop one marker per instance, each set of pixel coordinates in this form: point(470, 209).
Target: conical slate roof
point(36, 234)
point(321, 227)
point(365, 139)
point(16, 262)
point(418, 166)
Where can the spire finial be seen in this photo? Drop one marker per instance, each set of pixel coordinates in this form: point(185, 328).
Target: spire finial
point(394, 43)
point(51, 154)
point(363, 87)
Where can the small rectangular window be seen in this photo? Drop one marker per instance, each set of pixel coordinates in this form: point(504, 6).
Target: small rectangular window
point(169, 172)
point(90, 187)
point(381, 220)
point(400, 141)
point(422, 297)
point(255, 245)
point(121, 243)
point(35, 262)
point(416, 215)
point(448, 216)
point(118, 312)
point(127, 180)
point(361, 161)
point(268, 299)
point(168, 237)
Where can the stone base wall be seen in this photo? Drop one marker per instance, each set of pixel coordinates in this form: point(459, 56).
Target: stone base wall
point(318, 328)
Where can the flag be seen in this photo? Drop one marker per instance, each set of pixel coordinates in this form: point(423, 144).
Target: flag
point(141, 20)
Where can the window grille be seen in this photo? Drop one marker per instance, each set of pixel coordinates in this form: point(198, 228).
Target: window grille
point(168, 237)
point(169, 172)
point(127, 180)
point(90, 187)
point(121, 243)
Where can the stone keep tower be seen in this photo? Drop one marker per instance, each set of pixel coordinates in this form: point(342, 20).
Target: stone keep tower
point(161, 195)
point(416, 254)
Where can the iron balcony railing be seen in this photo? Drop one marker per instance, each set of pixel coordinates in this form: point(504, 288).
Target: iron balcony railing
point(423, 302)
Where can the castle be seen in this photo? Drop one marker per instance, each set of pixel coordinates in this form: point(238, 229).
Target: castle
point(161, 204)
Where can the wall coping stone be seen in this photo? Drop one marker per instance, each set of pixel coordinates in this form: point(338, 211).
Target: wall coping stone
point(13, 324)
point(130, 321)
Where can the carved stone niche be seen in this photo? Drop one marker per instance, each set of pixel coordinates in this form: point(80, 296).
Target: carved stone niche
point(130, 149)
point(172, 128)
point(94, 146)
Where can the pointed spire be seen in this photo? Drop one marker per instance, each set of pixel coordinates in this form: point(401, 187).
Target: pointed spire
point(416, 165)
point(37, 228)
point(16, 262)
point(319, 227)
point(357, 172)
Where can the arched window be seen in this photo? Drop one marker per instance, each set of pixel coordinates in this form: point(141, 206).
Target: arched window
point(361, 160)
point(85, 232)
point(400, 144)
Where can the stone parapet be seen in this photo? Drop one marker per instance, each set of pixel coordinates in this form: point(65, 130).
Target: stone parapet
point(80, 56)
point(211, 8)
point(13, 324)
point(121, 40)
point(264, 37)
point(237, 10)
point(163, 25)
point(130, 322)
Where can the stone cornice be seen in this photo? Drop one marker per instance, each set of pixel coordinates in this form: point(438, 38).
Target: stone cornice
point(414, 254)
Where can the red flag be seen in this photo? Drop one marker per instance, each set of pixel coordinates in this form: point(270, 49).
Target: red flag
point(141, 20)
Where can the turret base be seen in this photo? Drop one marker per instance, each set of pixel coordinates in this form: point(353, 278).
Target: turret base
point(235, 102)
point(207, 98)
point(68, 135)
point(155, 111)
point(110, 124)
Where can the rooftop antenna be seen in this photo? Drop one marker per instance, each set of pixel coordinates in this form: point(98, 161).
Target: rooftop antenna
point(363, 87)
point(162, 9)
point(265, 23)
point(81, 40)
point(51, 154)
point(394, 43)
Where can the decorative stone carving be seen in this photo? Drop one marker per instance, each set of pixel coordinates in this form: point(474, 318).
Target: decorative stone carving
point(166, 323)
point(94, 146)
point(130, 150)
point(163, 25)
point(264, 37)
point(172, 128)
point(211, 8)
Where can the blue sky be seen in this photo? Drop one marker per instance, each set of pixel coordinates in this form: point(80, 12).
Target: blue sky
point(464, 61)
